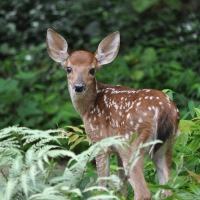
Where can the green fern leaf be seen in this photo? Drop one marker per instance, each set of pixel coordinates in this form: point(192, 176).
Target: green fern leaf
point(11, 184)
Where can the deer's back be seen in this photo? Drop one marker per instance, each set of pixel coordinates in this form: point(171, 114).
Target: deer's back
point(119, 110)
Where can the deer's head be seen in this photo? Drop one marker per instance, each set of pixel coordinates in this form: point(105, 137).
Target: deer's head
point(81, 66)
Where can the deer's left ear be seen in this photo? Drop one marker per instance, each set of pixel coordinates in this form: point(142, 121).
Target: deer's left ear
point(56, 46)
point(108, 48)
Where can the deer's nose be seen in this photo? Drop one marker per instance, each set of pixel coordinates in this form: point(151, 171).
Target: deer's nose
point(79, 88)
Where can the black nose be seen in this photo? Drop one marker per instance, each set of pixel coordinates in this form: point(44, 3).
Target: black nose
point(79, 88)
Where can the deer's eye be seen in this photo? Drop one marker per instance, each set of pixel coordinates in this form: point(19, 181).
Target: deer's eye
point(69, 70)
point(92, 71)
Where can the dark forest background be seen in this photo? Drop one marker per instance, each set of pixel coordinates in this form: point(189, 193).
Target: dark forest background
point(160, 48)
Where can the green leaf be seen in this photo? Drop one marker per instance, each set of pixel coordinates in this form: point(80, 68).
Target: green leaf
point(143, 5)
point(169, 93)
point(87, 139)
point(75, 129)
point(24, 181)
point(185, 125)
point(59, 152)
point(149, 55)
point(114, 167)
point(11, 184)
point(26, 75)
point(195, 189)
point(194, 145)
point(76, 142)
point(73, 138)
point(197, 111)
point(191, 107)
point(8, 86)
point(175, 65)
point(28, 108)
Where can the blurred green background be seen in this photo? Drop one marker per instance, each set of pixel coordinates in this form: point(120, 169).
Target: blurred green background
point(160, 48)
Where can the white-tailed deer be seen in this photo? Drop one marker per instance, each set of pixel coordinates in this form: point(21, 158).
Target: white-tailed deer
point(117, 110)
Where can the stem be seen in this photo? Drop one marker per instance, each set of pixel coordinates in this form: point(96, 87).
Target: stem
point(179, 169)
point(84, 170)
point(4, 175)
point(19, 140)
point(49, 172)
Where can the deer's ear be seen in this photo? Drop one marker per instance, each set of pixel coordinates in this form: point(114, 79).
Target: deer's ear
point(56, 46)
point(108, 48)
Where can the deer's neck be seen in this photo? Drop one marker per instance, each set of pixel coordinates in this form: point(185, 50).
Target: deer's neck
point(83, 102)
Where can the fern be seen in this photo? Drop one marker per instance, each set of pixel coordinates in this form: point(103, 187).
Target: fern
point(74, 173)
point(29, 157)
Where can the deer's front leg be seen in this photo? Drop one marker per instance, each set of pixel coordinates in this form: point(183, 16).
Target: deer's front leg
point(123, 178)
point(103, 165)
point(135, 174)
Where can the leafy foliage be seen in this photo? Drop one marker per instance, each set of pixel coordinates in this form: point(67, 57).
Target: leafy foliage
point(159, 49)
point(31, 172)
point(76, 136)
point(30, 169)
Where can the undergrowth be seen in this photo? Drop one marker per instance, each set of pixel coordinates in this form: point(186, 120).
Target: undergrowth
point(30, 168)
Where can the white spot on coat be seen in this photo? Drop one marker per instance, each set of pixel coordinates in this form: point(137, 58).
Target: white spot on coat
point(92, 128)
point(136, 126)
point(149, 108)
point(140, 120)
point(116, 106)
point(138, 104)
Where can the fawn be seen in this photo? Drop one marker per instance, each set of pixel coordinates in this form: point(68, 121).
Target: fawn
point(117, 110)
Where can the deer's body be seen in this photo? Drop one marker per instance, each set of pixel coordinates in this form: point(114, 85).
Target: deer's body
point(117, 110)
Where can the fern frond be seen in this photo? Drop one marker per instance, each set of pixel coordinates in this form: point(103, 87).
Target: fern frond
point(76, 191)
point(16, 167)
point(31, 176)
point(24, 182)
point(10, 187)
point(8, 143)
point(44, 150)
point(40, 137)
point(108, 196)
point(61, 153)
point(6, 157)
point(40, 164)
point(74, 173)
point(96, 188)
point(30, 157)
point(49, 193)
